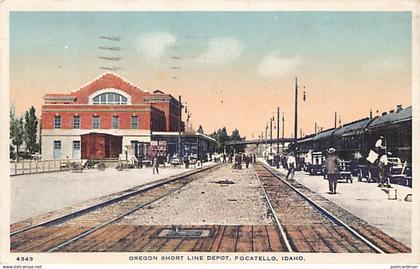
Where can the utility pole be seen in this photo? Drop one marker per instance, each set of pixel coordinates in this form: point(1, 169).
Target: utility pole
point(315, 128)
point(179, 127)
point(282, 131)
point(266, 134)
point(335, 120)
point(271, 135)
point(278, 130)
point(296, 110)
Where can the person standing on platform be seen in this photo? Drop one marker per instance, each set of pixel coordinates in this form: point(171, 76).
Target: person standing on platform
point(382, 166)
point(247, 159)
point(333, 170)
point(380, 145)
point(155, 165)
point(291, 165)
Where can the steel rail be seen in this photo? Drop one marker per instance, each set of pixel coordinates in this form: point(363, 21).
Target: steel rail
point(326, 212)
point(124, 196)
point(279, 226)
point(100, 226)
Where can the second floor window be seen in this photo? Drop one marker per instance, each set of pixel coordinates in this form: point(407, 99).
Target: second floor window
point(134, 122)
point(96, 122)
point(115, 122)
point(76, 122)
point(57, 122)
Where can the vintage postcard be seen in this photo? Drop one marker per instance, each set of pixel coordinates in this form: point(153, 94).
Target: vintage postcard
point(235, 132)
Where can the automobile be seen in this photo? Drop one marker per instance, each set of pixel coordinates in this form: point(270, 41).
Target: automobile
point(175, 160)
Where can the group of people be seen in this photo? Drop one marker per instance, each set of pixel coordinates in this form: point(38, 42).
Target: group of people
point(243, 158)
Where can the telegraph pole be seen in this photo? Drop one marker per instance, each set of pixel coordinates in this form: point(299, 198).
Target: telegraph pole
point(271, 135)
point(282, 131)
point(296, 110)
point(266, 131)
point(278, 130)
point(335, 119)
point(179, 127)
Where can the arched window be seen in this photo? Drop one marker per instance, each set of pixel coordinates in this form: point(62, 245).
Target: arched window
point(109, 98)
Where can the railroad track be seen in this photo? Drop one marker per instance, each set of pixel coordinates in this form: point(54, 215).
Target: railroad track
point(306, 226)
point(57, 233)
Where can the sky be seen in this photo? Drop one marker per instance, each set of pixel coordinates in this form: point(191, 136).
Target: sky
point(232, 68)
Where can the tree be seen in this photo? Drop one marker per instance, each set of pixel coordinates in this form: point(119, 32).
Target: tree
point(237, 137)
point(16, 134)
point(200, 129)
point(221, 137)
point(31, 129)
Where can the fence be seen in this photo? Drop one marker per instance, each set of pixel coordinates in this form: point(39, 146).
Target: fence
point(37, 166)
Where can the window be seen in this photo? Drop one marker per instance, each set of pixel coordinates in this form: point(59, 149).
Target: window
point(57, 122)
point(57, 150)
point(96, 122)
point(76, 149)
point(115, 122)
point(134, 122)
point(110, 98)
point(57, 144)
point(76, 122)
point(76, 145)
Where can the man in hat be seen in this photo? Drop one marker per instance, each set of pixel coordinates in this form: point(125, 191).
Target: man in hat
point(291, 165)
point(380, 145)
point(333, 170)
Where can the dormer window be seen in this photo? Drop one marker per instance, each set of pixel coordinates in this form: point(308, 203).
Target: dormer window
point(109, 98)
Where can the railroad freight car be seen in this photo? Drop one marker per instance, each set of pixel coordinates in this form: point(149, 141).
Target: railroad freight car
point(100, 146)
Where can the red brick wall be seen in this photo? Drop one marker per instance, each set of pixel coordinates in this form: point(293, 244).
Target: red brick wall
point(110, 81)
point(105, 117)
point(171, 115)
point(162, 116)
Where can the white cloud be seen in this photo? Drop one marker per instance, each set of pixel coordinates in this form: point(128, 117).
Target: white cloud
point(153, 45)
point(382, 64)
point(222, 51)
point(273, 65)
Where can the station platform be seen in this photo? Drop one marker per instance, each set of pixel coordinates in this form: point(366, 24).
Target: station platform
point(36, 194)
point(373, 204)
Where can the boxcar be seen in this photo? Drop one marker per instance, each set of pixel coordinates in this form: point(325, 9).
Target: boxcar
point(100, 146)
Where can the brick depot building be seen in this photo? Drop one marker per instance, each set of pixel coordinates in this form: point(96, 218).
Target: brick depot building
point(109, 106)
